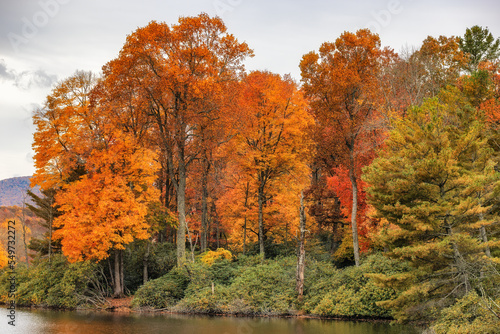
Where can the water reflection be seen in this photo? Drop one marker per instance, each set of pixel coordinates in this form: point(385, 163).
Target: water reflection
point(84, 322)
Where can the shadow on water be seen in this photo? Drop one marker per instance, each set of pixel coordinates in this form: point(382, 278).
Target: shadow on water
point(80, 322)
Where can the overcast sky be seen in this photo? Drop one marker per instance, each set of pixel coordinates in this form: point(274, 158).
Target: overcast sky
point(43, 41)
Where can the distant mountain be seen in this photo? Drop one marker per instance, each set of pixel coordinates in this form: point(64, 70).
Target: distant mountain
point(13, 190)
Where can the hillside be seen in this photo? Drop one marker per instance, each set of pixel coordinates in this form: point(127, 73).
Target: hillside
point(13, 190)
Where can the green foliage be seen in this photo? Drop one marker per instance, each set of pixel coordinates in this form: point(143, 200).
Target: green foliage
point(163, 292)
point(267, 288)
point(58, 284)
point(205, 300)
point(480, 45)
point(432, 181)
point(249, 287)
point(469, 314)
point(160, 260)
point(350, 292)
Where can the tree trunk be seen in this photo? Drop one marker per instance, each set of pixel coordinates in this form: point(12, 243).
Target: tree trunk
point(204, 208)
point(50, 236)
point(118, 287)
point(354, 212)
point(301, 259)
point(245, 235)
point(122, 274)
point(484, 237)
point(217, 228)
point(111, 274)
point(23, 225)
point(245, 223)
point(261, 223)
point(181, 208)
point(145, 261)
point(192, 247)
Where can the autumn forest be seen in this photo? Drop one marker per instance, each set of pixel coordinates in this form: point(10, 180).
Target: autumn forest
point(369, 189)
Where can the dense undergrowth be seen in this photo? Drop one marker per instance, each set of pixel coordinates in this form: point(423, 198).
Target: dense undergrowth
point(250, 287)
point(242, 285)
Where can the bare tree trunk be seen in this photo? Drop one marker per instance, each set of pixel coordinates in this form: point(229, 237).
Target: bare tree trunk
point(122, 274)
point(218, 234)
point(354, 212)
point(204, 207)
point(484, 237)
point(181, 208)
point(245, 223)
point(145, 261)
point(301, 259)
point(51, 218)
point(111, 274)
point(245, 235)
point(261, 222)
point(192, 247)
point(117, 287)
point(23, 226)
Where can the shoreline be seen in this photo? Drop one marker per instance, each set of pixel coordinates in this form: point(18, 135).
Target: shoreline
point(125, 310)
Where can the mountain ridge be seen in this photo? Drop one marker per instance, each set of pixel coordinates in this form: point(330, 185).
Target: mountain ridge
point(13, 191)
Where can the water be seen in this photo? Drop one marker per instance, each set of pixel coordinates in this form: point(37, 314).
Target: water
point(80, 322)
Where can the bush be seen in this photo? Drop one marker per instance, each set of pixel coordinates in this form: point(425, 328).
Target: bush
point(206, 301)
point(163, 292)
point(267, 288)
point(242, 287)
point(212, 256)
point(467, 315)
point(349, 292)
point(58, 284)
point(248, 286)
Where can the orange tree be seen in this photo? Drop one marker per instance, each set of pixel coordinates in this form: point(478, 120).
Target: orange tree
point(341, 83)
point(179, 72)
point(104, 178)
point(270, 152)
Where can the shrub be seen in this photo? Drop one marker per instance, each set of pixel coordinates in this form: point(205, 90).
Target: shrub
point(212, 256)
point(58, 284)
point(467, 315)
point(349, 292)
point(267, 288)
point(163, 292)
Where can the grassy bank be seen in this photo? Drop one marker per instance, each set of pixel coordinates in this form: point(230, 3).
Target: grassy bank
point(242, 285)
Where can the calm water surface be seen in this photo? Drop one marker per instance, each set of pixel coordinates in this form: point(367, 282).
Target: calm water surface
point(80, 322)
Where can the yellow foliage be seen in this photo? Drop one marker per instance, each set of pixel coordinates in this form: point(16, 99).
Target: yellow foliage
point(3, 257)
point(211, 256)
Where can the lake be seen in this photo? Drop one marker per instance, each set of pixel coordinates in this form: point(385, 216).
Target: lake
point(75, 322)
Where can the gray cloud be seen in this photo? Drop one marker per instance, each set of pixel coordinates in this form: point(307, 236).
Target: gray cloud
point(5, 73)
point(26, 79)
point(32, 79)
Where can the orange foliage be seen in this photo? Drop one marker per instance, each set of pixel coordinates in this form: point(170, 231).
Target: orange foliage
point(178, 75)
point(106, 208)
point(269, 155)
point(342, 84)
point(105, 178)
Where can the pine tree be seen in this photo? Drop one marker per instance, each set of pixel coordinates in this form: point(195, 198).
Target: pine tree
point(432, 181)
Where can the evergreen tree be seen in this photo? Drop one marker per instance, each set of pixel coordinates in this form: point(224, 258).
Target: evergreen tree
point(43, 207)
point(480, 45)
point(433, 181)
